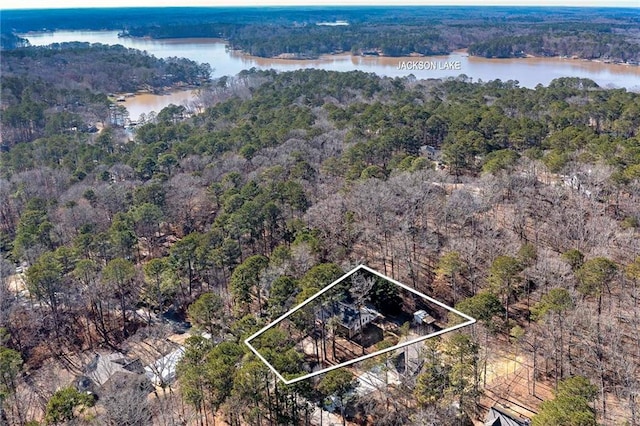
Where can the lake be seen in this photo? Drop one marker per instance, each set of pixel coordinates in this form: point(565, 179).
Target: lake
point(528, 71)
point(147, 102)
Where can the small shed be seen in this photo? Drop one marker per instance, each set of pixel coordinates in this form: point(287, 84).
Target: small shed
point(424, 321)
point(422, 317)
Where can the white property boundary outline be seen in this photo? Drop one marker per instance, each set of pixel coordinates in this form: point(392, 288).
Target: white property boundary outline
point(247, 341)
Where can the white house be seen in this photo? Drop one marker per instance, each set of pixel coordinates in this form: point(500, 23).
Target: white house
point(163, 371)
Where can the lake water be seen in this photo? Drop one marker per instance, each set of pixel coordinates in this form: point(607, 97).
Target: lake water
point(528, 71)
point(147, 102)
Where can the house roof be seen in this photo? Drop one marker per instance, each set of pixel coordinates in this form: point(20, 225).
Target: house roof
point(163, 370)
point(348, 314)
point(424, 317)
point(103, 367)
point(500, 417)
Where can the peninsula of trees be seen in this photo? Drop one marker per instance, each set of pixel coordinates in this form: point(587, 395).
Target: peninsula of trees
point(58, 88)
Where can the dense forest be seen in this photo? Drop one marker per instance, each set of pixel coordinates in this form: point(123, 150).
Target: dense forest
point(518, 206)
point(589, 33)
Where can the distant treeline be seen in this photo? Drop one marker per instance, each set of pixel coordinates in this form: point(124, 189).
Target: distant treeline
point(267, 40)
point(565, 40)
point(491, 40)
point(611, 34)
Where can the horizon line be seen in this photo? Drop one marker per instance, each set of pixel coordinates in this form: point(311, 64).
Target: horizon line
point(318, 5)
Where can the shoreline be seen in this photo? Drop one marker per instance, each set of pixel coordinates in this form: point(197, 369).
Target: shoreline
point(166, 91)
point(176, 89)
point(289, 58)
point(225, 61)
point(293, 57)
point(144, 101)
point(413, 56)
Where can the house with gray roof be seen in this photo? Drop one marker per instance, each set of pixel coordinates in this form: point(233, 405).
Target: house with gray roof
point(351, 319)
